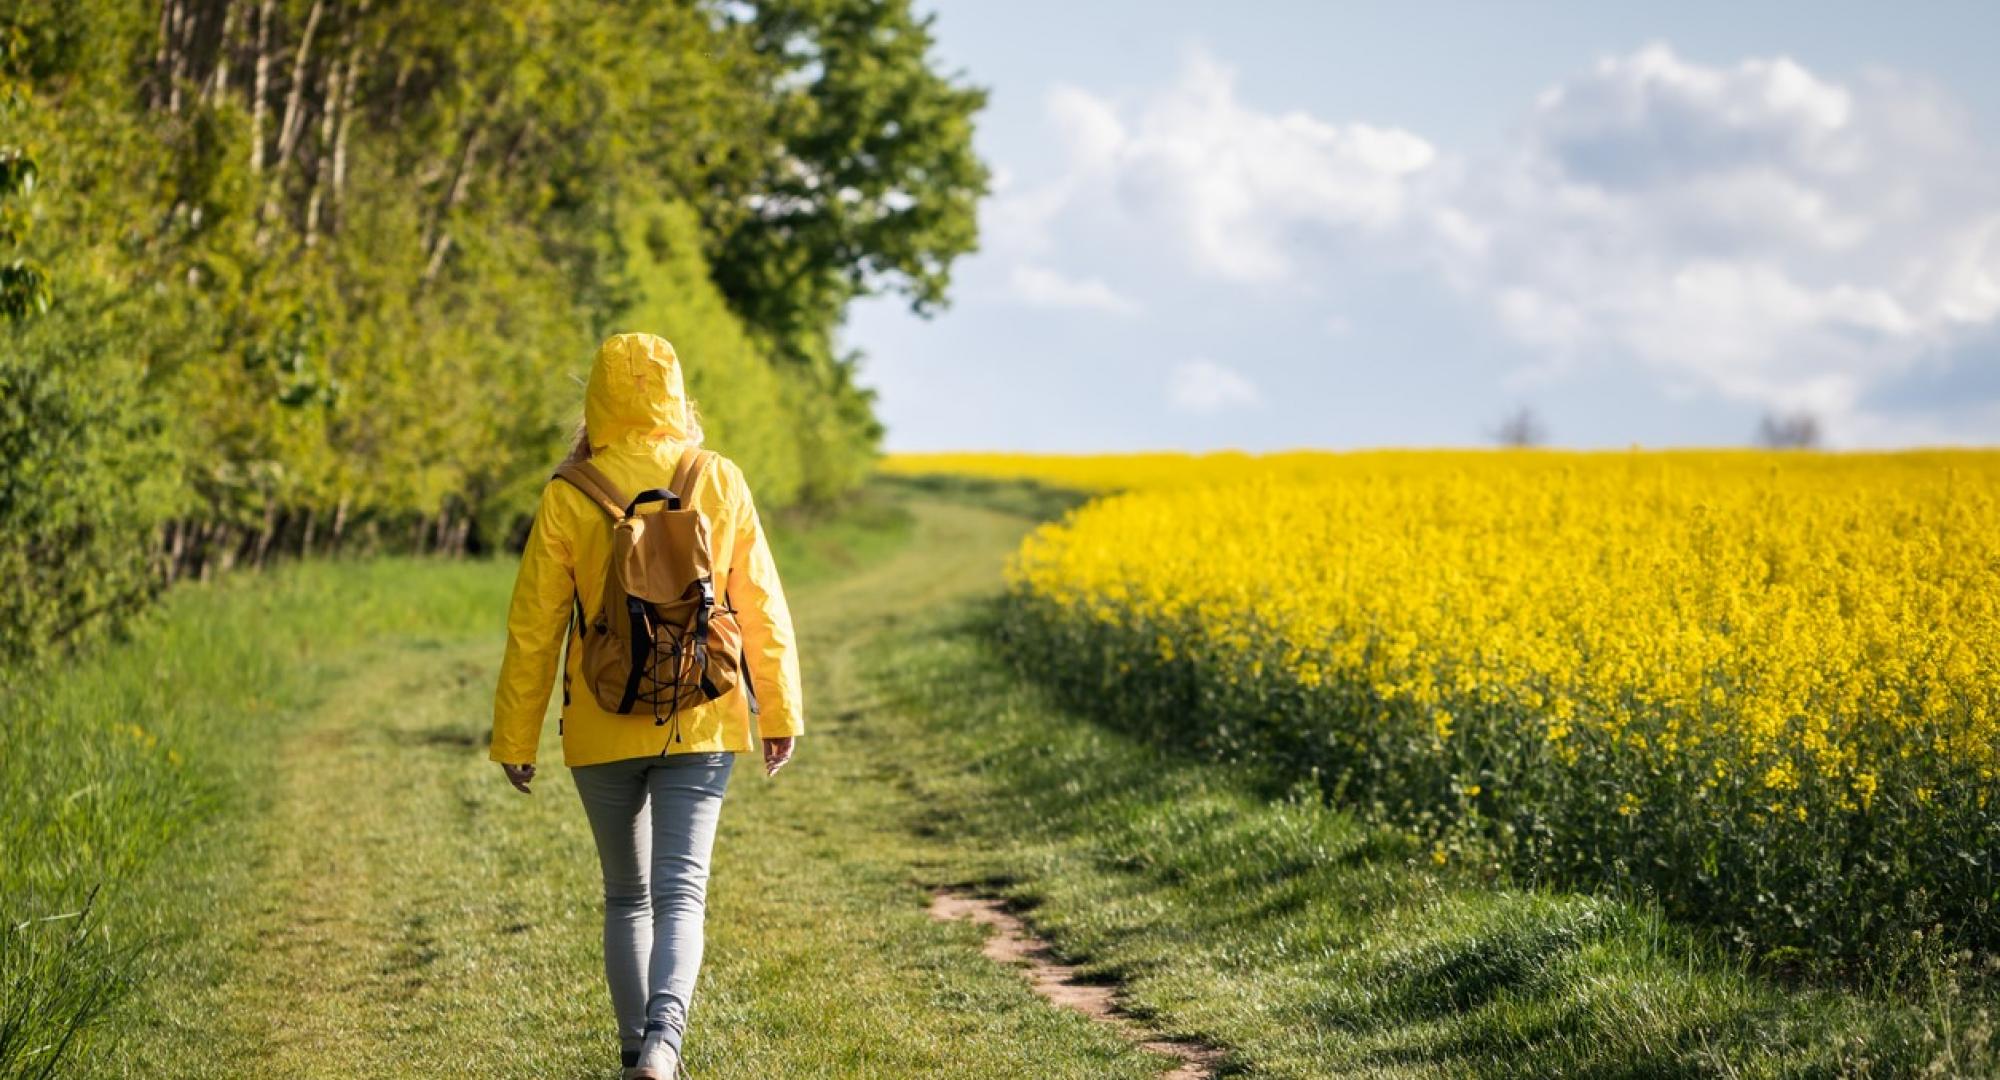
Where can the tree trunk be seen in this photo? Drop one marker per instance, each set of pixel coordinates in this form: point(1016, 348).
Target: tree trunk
point(394, 110)
point(218, 83)
point(436, 262)
point(264, 535)
point(339, 519)
point(323, 156)
point(170, 549)
point(163, 59)
point(293, 120)
point(200, 569)
point(177, 52)
point(260, 84)
point(306, 535)
point(229, 550)
point(436, 240)
point(347, 80)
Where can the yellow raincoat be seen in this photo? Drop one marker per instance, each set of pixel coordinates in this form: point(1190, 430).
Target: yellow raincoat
point(636, 411)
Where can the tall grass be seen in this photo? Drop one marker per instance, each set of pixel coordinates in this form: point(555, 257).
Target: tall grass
point(111, 763)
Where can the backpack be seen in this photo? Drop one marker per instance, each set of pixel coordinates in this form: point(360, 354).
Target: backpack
point(659, 642)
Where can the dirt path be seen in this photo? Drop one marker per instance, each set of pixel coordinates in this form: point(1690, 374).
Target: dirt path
point(1012, 943)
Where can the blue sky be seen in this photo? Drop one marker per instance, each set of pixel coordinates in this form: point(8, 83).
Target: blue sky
point(1341, 225)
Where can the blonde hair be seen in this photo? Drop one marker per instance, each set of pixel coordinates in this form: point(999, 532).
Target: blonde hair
point(579, 447)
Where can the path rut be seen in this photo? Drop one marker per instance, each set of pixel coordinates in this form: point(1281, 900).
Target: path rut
point(1014, 943)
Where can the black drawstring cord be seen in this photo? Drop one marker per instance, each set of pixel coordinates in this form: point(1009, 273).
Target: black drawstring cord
point(672, 691)
point(696, 640)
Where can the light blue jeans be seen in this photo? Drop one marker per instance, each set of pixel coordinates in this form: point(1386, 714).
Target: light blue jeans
point(654, 819)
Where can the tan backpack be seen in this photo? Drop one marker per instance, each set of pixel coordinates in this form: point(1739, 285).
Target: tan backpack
point(659, 641)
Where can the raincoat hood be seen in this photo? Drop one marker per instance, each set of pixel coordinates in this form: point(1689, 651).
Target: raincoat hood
point(635, 392)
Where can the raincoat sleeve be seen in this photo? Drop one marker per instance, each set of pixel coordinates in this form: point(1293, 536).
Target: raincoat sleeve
point(769, 650)
point(537, 621)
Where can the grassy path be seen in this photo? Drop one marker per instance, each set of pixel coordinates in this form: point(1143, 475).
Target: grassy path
point(400, 912)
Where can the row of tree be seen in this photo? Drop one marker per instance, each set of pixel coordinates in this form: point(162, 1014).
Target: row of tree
point(290, 274)
point(1798, 430)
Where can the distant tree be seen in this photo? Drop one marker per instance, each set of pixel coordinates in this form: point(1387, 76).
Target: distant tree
point(1522, 427)
point(1789, 431)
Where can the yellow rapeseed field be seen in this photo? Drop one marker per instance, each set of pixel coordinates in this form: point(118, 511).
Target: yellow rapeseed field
point(1735, 679)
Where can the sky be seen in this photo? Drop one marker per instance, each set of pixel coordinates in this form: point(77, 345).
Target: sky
point(1396, 224)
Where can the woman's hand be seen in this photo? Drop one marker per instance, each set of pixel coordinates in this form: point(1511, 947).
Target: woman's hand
point(776, 753)
point(519, 776)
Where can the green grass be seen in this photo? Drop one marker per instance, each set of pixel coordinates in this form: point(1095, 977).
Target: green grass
point(341, 885)
point(333, 881)
point(120, 763)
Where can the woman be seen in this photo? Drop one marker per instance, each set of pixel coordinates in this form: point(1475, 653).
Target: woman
point(652, 805)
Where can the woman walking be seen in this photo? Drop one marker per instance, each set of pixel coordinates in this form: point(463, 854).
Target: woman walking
point(652, 790)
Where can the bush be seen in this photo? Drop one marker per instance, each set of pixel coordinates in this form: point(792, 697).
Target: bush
point(91, 473)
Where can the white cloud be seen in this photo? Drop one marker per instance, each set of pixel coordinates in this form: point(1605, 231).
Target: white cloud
point(1755, 231)
point(1039, 286)
point(1238, 190)
point(1203, 386)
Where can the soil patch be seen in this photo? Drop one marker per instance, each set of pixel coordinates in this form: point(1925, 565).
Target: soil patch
point(1013, 943)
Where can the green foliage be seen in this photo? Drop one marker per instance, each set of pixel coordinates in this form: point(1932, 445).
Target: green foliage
point(876, 185)
point(739, 391)
point(24, 290)
point(89, 472)
point(347, 261)
point(24, 286)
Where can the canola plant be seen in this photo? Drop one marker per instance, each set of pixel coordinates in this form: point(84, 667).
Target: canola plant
point(1762, 688)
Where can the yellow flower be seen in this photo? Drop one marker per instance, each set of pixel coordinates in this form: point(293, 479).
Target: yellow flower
point(1741, 635)
point(1864, 786)
point(1441, 723)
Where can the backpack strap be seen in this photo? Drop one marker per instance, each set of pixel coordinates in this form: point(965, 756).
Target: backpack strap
point(591, 480)
point(693, 460)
